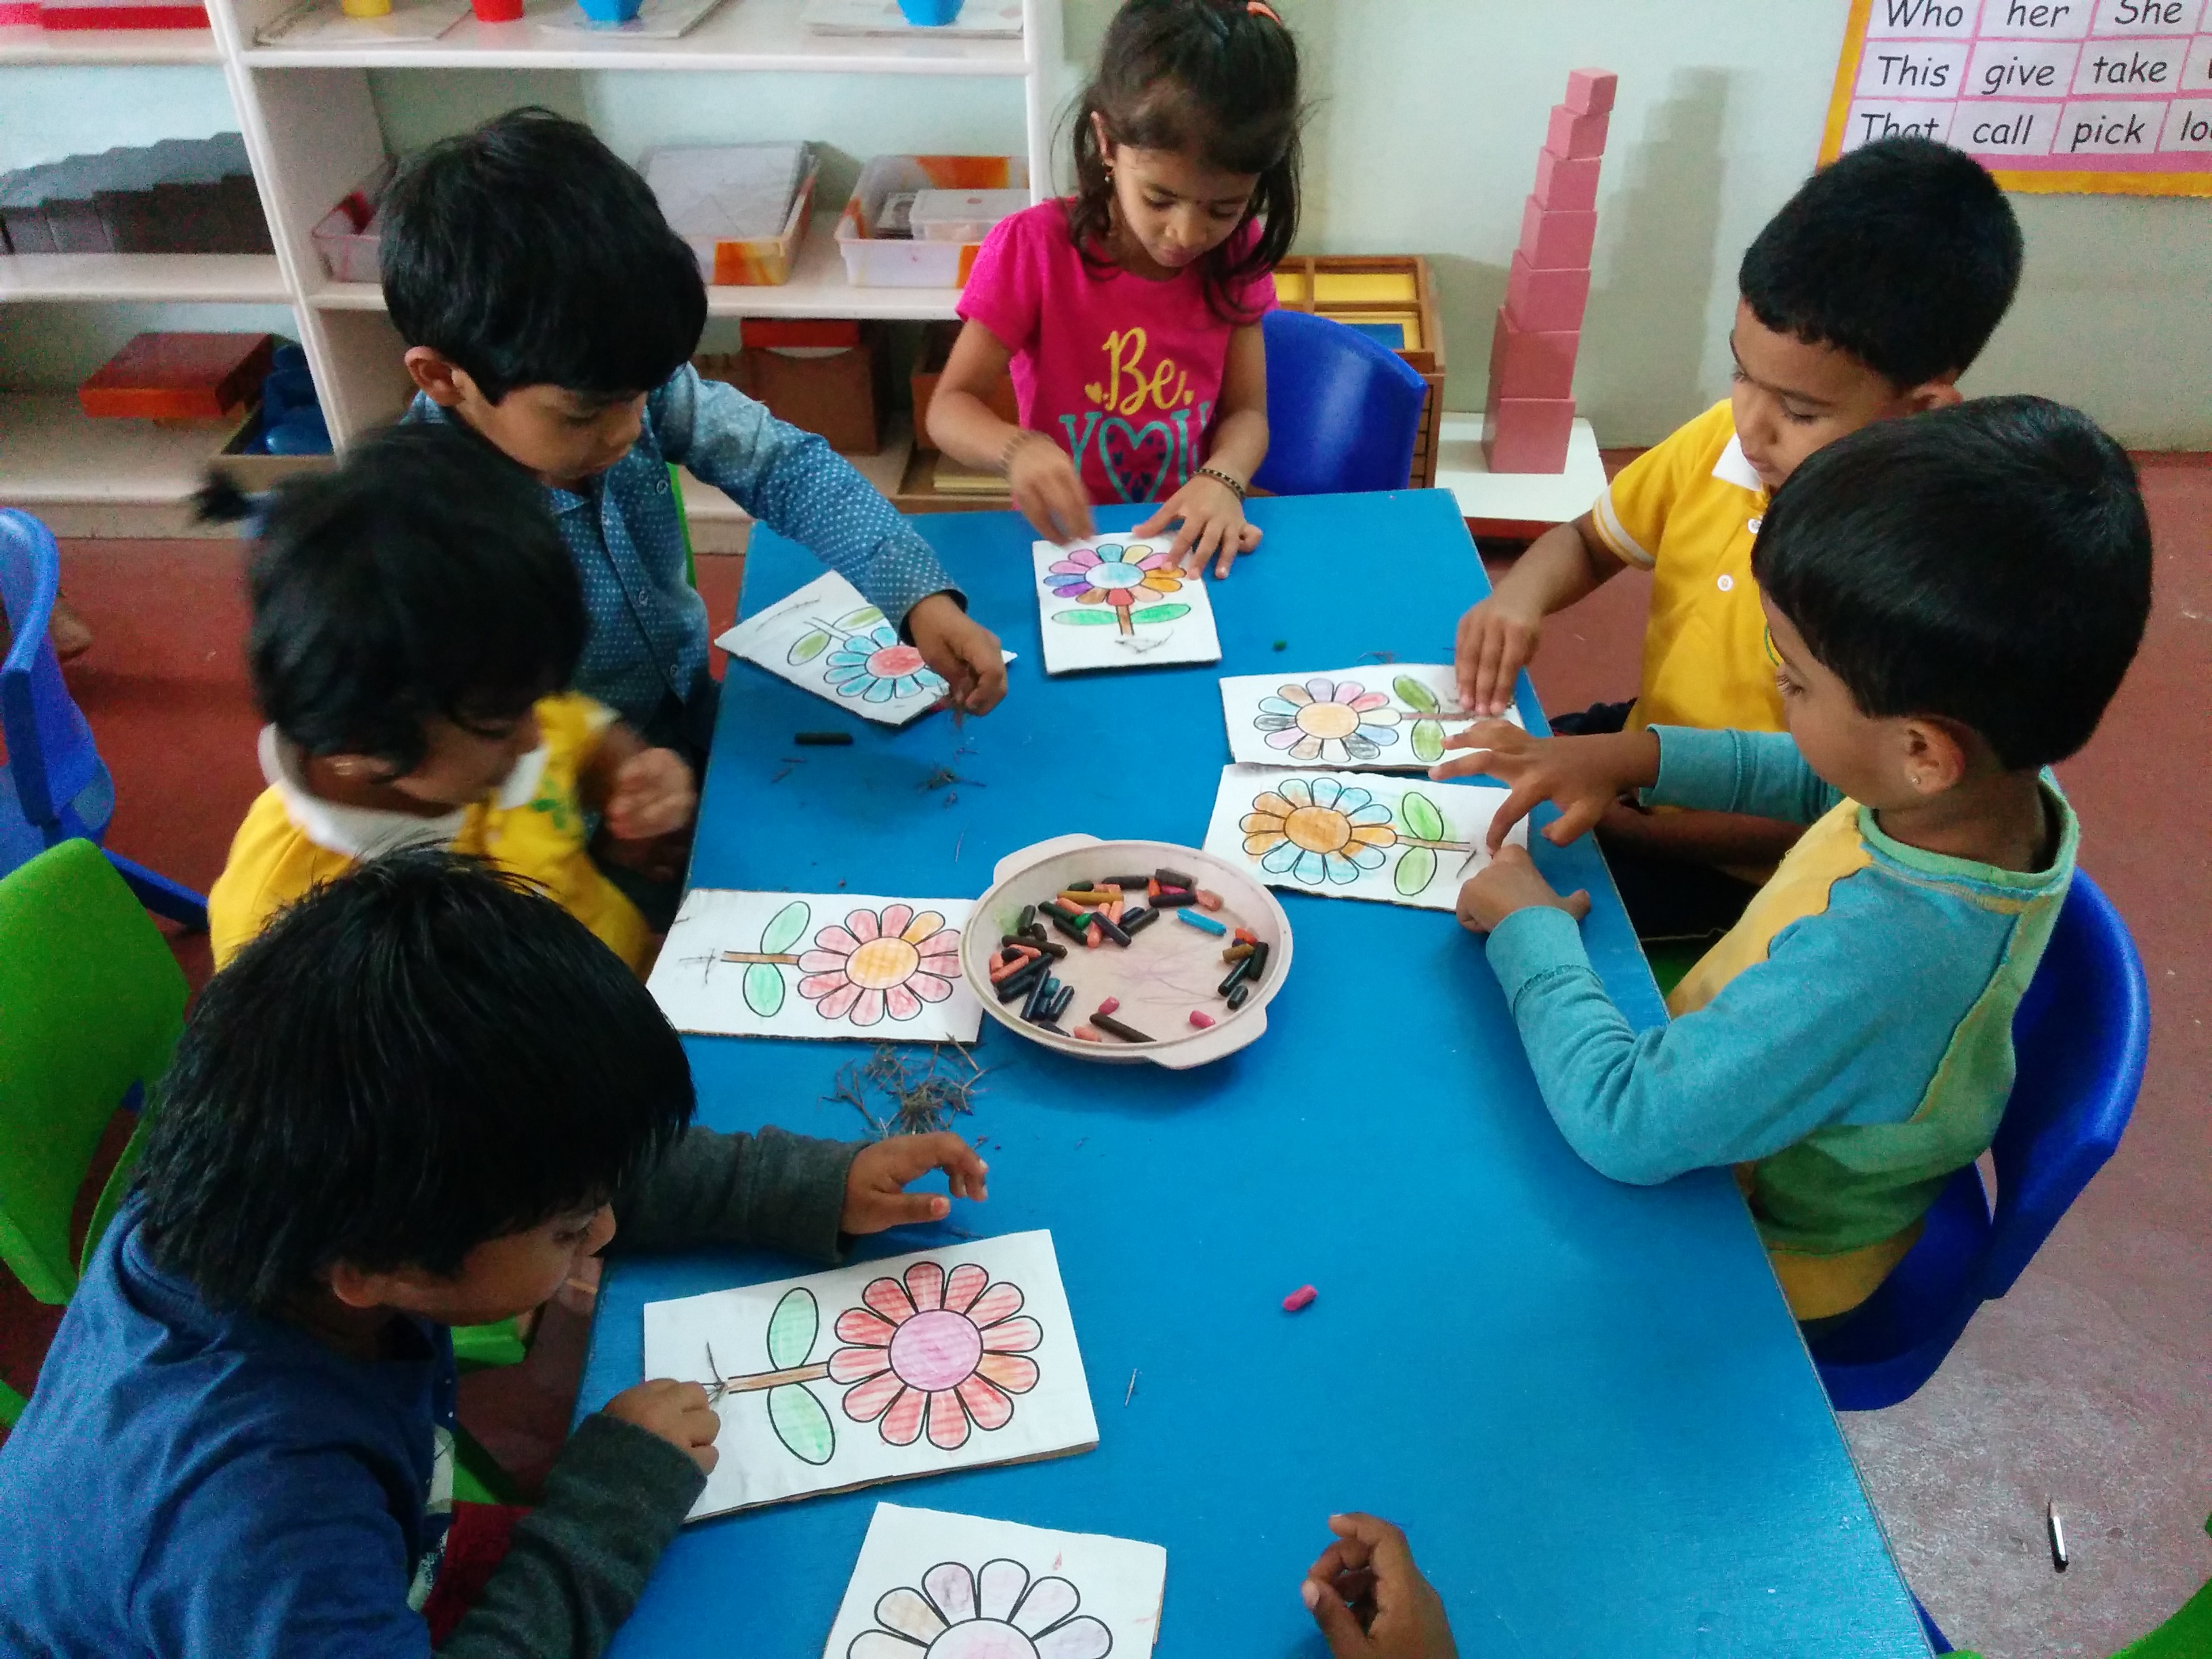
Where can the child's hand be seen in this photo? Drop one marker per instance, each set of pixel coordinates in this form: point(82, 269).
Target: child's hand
point(1582, 776)
point(1370, 1600)
point(1213, 521)
point(1497, 638)
point(1507, 883)
point(677, 1412)
point(653, 795)
point(875, 1186)
point(1048, 491)
point(963, 650)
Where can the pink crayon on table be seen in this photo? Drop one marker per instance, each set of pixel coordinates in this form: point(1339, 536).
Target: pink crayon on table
point(1300, 1299)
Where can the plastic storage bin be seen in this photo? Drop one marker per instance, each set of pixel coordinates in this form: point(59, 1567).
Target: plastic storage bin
point(682, 180)
point(347, 236)
point(869, 262)
point(963, 215)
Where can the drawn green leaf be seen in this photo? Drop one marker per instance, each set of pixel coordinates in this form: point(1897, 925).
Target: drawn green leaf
point(1415, 696)
point(866, 617)
point(1428, 742)
point(809, 646)
point(1085, 618)
point(1417, 868)
point(1159, 613)
point(792, 1328)
point(801, 1424)
point(784, 928)
point(1422, 817)
point(764, 989)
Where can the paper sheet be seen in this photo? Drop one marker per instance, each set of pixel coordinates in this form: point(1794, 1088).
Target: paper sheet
point(948, 1359)
point(822, 965)
point(321, 23)
point(828, 639)
point(1383, 716)
point(1350, 834)
point(1120, 602)
point(933, 1585)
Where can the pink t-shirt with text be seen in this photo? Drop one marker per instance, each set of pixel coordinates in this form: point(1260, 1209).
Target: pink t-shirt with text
point(1123, 372)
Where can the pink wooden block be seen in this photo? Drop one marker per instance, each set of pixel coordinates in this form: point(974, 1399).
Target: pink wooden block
point(1564, 184)
point(1527, 434)
point(1576, 135)
point(1546, 299)
point(1556, 240)
point(1589, 92)
point(1531, 364)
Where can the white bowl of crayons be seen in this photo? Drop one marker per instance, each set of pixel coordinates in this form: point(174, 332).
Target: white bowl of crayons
point(1125, 950)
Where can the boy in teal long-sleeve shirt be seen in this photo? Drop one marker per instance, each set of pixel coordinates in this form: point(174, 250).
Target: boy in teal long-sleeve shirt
point(1951, 602)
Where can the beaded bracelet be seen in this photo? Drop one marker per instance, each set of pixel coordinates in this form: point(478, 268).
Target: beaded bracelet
point(1219, 477)
point(1007, 454)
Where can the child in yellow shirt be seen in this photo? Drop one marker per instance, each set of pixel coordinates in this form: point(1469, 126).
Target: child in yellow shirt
point(1863, 300)
point(415, 621)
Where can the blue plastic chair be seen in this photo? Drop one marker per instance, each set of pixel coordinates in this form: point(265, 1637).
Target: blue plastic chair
point(55, 787)
point(1344, 411)
point(2080, 1035)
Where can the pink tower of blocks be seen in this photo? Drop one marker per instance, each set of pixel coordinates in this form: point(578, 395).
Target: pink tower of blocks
point(1531, 405)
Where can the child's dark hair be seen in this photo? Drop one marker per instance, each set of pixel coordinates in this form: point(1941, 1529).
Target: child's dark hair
point(424, 577)
point(1903, 254)
point(417, 1058)
point(530, 254)
point(1216, 78)
point(1989, 564)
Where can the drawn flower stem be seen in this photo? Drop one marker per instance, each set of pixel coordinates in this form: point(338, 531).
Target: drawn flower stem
point(759, 1380)
point(1440, 845)
point(783, 957)
point(1122, 617)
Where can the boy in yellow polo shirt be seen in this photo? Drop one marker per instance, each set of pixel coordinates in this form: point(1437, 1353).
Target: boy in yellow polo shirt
point(415, 621)
point(1863, 300)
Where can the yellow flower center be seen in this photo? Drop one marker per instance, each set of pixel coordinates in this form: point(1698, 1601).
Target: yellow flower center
point(881, 963)
point(1327, 719)
point(1318, 829)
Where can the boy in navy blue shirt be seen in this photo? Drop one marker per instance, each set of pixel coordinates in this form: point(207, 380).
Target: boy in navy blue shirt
point(417, 1100)
point(547, 307)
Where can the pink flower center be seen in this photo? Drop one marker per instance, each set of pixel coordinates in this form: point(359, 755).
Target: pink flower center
point(936, 1350)
point(894, 661)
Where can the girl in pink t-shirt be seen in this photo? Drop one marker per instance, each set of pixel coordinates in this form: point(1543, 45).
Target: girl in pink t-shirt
point(1129, 312)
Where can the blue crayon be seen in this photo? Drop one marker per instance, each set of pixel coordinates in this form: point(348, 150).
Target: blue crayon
point(1199, 919)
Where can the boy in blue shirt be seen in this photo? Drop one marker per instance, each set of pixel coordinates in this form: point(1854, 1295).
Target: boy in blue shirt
point(417, 1100)
point(547, 307)
point(1951, 601)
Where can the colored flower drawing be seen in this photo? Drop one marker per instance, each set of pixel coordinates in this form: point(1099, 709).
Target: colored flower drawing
point(941, 1345)
point(871, 662)
point(797, 1417)
point(1330, 721)
point(1000, 1613)
point(1118, 575)
point(875, 965)
point(1323, 833)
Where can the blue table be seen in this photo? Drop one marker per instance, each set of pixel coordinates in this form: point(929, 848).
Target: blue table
point(1586, 1402)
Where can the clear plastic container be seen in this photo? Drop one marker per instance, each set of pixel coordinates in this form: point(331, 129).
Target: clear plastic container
point(962, 216)
point(711, 192)
point(874, 262)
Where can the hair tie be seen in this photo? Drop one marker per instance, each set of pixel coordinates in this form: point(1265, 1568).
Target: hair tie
point(1261, 8)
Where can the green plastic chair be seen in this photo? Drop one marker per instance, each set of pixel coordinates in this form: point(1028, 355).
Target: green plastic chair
point(91, 1006)
point(683, 523)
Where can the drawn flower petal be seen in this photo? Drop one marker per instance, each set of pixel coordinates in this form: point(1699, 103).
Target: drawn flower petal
point(923, 925)
point(834, 1005)
point(1307, 748)
point(1081, 1638)
point(906, 1611)
point(863, 926)
point(999, 1588)
point(1375, 835)
point(900, 1001)
point(878, 691)
point(924, 1287)
point(1261, 823)
point(1277, 806)
point(821, 961)
point(821, 984)
point(868, 1010)
point(894, 920)
point(865, 1402)
point(1377, 813)
point(1287, 736)
point(1001, 1301)
point(1296, 791)
point(902, 1424)
point(929, 943)
point(1280, 858)
point(1158, 560)
point(952, 1588)
point(1311, 868)
point(1371, 701)
point(1367, 858)
point(1013, 1336)
point(888, 1297)
point(1349, 691)
point(1359, 747)
point(882, 1645)
point(834, 938)
point(948, 1421)
point(929, 988)
point(964, 1285)
point(1015, 1373)
point(1349, 800)
point(1084, 557)
point(1068, 566)
point(868, 1329)
point(989, 1407)
point(1160, 582)
point(1326, 790)
point(1049, 1600)
point(849, 1365)
point(1321, 689)
point(1282, 705)
point(1377, 731)
point(1342, 870)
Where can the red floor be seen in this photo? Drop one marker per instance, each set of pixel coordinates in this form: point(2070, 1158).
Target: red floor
point(2088, 1383)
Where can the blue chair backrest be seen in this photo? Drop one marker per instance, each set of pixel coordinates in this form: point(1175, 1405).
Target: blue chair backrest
point(50, 750)
point(1344, 411)
point(2080, 1037)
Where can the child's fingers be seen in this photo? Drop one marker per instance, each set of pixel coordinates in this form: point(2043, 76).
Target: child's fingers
point(1159, 520)
point(1518, 804)
point(1578, 903)
point(1474, 762)
point(1339, 1628)
point(1576, 819)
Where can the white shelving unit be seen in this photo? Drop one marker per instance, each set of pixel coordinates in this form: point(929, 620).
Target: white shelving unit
point(312, 134)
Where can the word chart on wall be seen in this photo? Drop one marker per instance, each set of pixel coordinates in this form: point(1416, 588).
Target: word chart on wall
point(2081, 96)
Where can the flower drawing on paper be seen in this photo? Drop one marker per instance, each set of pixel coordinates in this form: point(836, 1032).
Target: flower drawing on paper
point(999, 1613)
point(878, 964)
point(1317, 830)
point(1119, 576)
point(1329, 720)
point(876, 665)
point(947, 1348)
